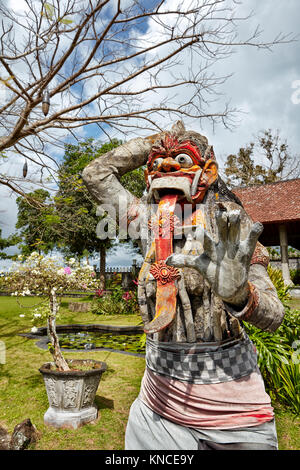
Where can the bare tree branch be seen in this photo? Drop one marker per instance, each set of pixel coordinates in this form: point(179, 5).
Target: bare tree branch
point(121, 66)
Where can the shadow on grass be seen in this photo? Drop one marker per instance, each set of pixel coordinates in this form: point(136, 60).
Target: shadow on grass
point(34, 381)
point(10, 335)
point(9, 324)
point(107, 373)
point(4, 372)
point(14, 334)
point(64, 304)
point(5, 328)
point(104, 403)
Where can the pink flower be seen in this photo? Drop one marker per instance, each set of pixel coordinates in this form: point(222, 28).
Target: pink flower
point(84, 286)
point(126, 296)
point(93, 274)
point(67, 270)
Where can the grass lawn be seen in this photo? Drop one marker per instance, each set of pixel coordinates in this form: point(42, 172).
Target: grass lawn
point(23, 395)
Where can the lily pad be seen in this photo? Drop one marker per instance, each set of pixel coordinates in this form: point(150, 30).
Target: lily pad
point(92, 340)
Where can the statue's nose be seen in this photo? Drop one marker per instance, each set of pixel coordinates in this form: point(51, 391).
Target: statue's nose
point(169, 164)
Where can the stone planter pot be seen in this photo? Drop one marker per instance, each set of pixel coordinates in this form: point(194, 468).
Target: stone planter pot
point(71, 393)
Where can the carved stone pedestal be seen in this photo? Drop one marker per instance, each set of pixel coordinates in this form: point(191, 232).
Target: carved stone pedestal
point(71, 393)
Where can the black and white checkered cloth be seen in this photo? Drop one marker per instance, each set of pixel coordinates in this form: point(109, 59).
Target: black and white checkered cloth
point(202, 364)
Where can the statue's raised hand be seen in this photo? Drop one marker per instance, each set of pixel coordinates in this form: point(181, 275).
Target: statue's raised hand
point(224, 264)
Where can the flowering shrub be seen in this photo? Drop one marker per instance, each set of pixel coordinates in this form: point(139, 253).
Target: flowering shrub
point(38, 315)
point(130, 298)
point(45, 277)
point(127, 296)
point(117, 302)
point(99, 293)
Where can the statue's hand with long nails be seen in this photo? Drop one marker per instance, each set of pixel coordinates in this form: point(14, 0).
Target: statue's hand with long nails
point(224, 263)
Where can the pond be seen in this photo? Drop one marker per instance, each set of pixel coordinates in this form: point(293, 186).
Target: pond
point(87, 340)
point(123, 339)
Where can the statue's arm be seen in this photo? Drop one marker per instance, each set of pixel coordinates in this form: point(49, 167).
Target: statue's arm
point(102, 178)
point(102, 175)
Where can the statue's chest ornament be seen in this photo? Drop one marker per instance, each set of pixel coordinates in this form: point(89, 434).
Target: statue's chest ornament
point(163, 226)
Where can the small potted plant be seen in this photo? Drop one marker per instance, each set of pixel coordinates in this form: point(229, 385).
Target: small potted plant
point(71, 384)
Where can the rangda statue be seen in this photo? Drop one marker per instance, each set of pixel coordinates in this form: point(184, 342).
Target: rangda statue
point(204, 273)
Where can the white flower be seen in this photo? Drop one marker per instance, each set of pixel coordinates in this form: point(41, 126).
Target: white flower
point(34, 329)
point(72, 260)
point(37, 315)
point(22, 315)
point(61, 271)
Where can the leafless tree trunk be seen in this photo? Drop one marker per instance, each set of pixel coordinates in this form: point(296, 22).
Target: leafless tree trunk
point(59, 360)
point(102, 266)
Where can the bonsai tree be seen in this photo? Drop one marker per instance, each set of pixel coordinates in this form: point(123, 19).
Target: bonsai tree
point(47, 278)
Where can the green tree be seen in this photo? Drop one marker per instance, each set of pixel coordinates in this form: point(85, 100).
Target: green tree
point(77, 210)
point(6, 243)
point(273, 153)
point(134, 181)
point(37, 224)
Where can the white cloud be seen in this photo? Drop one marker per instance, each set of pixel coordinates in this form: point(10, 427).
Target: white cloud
point(18, 6)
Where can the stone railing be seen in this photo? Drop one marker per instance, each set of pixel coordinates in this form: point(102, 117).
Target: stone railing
point(294, 263)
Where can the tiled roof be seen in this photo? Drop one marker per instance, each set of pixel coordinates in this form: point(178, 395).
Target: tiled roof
point(275, 202)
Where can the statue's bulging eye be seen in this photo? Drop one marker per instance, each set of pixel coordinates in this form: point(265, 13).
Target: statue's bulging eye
point(184, 160)
point(156, 163)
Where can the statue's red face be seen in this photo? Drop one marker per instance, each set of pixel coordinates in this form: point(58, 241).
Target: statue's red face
point(179, 167)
